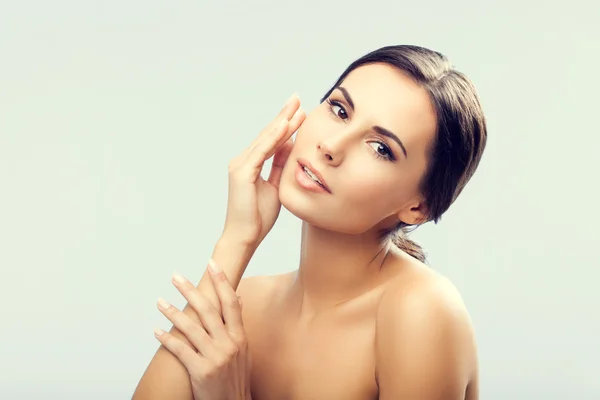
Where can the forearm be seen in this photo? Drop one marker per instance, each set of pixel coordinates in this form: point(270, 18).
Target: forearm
point(165, 377)
point(233, 257)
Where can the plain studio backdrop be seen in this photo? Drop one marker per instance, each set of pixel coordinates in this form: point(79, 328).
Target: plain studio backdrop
point(118, 120)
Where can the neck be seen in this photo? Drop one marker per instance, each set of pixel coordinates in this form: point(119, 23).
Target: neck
point(335, 267)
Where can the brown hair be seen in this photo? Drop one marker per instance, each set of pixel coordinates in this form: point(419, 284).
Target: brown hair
point(461, 129)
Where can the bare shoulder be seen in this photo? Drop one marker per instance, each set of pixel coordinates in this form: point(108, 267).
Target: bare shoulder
point(424, 335)
point(257, 292)
point(255, 288)
point(418, 288)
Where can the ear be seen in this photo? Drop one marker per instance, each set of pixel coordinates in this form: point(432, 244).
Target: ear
point(414, 214)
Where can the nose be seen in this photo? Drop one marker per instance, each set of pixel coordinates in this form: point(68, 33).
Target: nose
point(333, 148)
point(326, 152)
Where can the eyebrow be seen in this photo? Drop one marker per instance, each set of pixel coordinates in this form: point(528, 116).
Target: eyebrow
point(378, 129)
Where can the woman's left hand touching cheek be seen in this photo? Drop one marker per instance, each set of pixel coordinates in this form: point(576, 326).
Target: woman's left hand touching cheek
point(219, 363)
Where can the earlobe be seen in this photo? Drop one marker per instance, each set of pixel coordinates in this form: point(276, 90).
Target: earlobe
point(415, 215)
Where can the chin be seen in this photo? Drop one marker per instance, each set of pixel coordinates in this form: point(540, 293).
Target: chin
point(296, 202)
point(317, 210)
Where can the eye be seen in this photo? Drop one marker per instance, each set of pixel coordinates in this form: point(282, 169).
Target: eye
point(337, 109)
point(382, 151)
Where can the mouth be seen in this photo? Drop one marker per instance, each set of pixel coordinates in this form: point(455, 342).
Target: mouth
point(313, 174)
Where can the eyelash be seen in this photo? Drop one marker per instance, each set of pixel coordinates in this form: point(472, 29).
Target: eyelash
point(390, 155)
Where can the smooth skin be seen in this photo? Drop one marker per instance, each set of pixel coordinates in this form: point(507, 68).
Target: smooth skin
point(252, 209)
point(217, 362)
point(358, 319)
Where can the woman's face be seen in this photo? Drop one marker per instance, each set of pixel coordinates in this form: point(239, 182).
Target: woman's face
point(369, 142)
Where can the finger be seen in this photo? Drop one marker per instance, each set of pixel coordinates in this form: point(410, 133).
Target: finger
point(230, 304)
point(287, 112)
point(193, 330)
point(297, 119)
point(188, 357)
point(292, 127)
point(251, 167)
point(282, 153)
point(289, 108)
point(209, 316)
point(267, 148)
point(279, 160)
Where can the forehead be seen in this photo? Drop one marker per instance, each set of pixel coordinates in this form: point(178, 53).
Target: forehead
point(390, 98)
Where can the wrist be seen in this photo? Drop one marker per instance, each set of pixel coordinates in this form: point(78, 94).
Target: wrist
point(232, 244)
point(233, 237)
point(233, 257)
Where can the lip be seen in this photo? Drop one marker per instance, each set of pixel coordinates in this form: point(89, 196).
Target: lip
point(313, 170)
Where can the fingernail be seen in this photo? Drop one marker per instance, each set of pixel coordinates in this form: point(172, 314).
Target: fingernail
point(178, 278)
point(163, 303)
point(213, 267)
point(158, 332)
point(291, 98)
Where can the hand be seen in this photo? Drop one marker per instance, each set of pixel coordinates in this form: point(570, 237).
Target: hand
point(219, 363)
point(253, 203)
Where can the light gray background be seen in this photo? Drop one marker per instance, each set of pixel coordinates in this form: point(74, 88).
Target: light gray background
point(118, 119)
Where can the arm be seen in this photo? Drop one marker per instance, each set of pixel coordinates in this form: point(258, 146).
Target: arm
point(424, 345)
point(252, 208)
point(166, 377)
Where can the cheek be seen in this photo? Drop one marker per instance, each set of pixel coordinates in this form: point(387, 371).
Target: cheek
point(318, 124)
point(370, 188)
point(308, 131)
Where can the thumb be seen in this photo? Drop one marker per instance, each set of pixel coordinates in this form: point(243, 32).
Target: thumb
point(279, 161)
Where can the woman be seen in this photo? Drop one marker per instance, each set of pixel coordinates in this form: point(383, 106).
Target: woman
point(390, 147)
